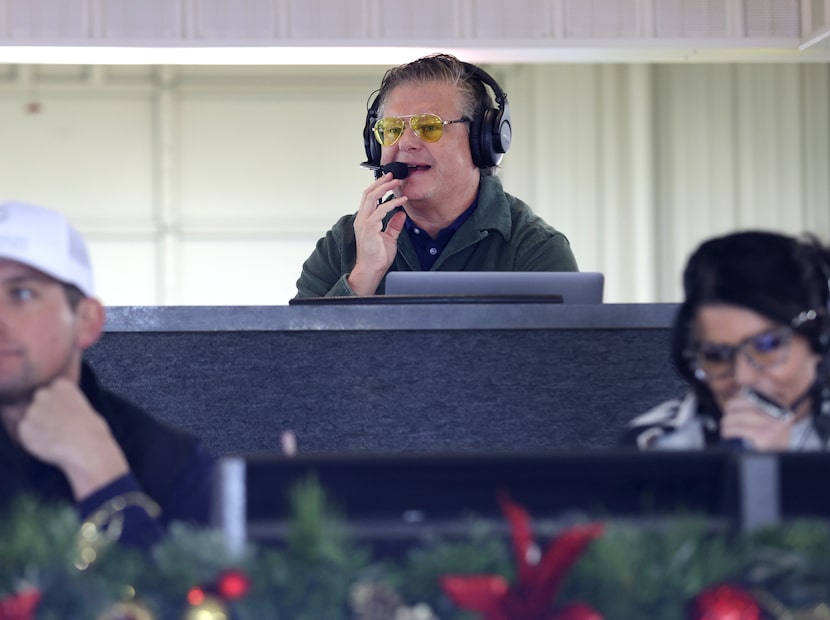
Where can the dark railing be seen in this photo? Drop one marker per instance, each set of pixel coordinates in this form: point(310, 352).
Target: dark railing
point(407, 497)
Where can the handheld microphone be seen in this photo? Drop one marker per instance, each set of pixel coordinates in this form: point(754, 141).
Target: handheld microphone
point(398, 169)
point(765, 404)
point(739, 444)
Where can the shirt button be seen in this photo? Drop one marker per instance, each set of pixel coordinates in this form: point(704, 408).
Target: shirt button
point(417, 231)
point(433, 251)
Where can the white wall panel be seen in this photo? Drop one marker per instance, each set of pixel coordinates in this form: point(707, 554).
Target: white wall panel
point(602, 18)
point(768, 18)
point(731, 146)
point(211, 185)
point(691, 18)
point(126, 269)
point(151, 20)
point(242, 271)
point(512, 19)
point(581, 135)
point(272, 160)
point(181, 21)
point(320, 19)
point(257, 32)
point(86, 153)
point(815, 132)
point(425, 20)
point(819, 15)
point(696, 164)
point(48, 19)
point(552, 164)
point(769, 106)
point(235, 19)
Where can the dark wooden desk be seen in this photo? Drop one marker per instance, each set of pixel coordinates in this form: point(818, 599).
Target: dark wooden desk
point(393, 378)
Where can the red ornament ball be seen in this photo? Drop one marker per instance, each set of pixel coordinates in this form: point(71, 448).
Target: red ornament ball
point(195, 596)
point(233, 584)
point(724, 602)
point(577, 611)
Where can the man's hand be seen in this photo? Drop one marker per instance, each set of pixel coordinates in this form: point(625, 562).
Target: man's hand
point(61, 428)
point(376, 248)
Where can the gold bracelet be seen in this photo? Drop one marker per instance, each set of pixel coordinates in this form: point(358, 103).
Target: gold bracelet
point(106, 524)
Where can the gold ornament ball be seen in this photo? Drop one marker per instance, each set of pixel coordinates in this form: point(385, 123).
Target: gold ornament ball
point(127, 610)
point(210, 609)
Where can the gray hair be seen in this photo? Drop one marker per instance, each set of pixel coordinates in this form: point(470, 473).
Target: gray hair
point(446, 69)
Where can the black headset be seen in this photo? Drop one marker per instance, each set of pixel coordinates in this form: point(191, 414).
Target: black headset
point(490, 131)
point(816, 276)
point(824, 338)
point(816, 270)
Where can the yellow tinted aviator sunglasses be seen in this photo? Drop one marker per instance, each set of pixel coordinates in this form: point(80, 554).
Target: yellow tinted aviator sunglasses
point(428, 127)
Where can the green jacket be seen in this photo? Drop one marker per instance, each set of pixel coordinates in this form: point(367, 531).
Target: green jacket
point(502, 234)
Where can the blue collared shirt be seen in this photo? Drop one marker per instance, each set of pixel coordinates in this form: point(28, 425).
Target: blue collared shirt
point(428, 249)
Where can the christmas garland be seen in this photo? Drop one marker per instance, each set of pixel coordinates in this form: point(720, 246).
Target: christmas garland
point(675, 569)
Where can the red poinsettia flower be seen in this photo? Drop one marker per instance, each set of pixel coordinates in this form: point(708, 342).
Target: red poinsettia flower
point(538, 579)
point(20, 606)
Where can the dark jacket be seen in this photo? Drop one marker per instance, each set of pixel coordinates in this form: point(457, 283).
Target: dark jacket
point(165, 463)
point(502, 234)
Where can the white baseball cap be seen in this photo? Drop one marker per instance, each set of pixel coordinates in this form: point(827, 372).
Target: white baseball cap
point(45, 240)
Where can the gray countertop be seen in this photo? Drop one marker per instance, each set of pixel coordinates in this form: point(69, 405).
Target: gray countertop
point(393, 316)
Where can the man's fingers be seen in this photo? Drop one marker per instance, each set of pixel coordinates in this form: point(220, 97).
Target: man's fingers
point(395, 224)
point(373, 194)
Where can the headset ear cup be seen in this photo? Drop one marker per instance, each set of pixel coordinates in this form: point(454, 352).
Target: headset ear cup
point(370, 144)
point(825, 325)
point(488, 147)
point(503, 131)
point(824, 334)
point(477, 150)
point(823, 300)
point(490, 137)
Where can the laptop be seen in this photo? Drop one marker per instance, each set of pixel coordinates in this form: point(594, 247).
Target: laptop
point(574, 287)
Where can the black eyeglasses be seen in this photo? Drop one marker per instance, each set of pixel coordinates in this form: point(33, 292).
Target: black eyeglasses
point(712, 361)
point(428, 127)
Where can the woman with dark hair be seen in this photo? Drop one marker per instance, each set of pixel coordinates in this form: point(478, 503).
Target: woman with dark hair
point(752, 339)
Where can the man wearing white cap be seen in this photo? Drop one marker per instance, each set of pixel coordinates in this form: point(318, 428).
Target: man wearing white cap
point(63, 437)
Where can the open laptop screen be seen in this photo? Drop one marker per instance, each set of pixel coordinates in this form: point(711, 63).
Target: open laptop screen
point(574, 287)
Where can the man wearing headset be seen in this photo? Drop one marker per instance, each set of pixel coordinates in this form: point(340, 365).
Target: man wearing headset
point(450, 213)
point(63, 437)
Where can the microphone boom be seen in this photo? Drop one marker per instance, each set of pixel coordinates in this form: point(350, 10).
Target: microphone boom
point(398, 169)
